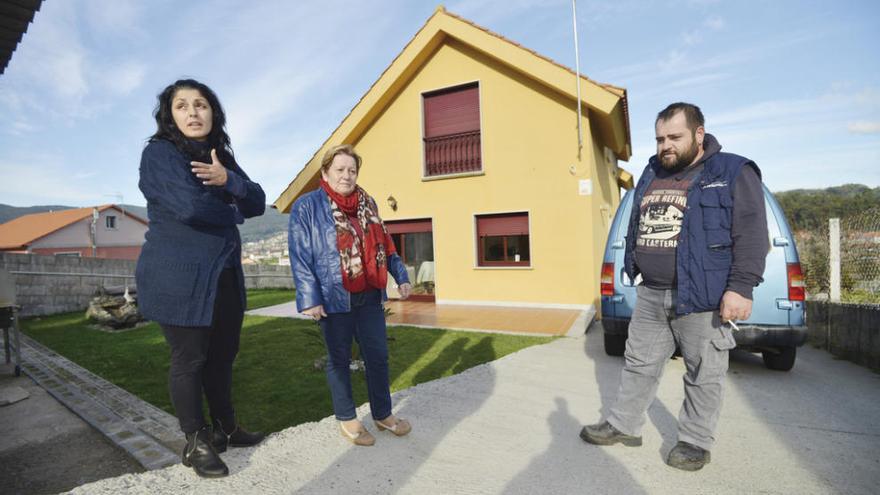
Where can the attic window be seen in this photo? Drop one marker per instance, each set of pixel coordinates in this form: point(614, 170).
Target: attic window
point(452, 131)
point(110, 222)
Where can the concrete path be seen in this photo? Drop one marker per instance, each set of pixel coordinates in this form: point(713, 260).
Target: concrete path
point(511, 320)
point(511, 426)
point(283, 310)
point(42, 445)
point(150, 435)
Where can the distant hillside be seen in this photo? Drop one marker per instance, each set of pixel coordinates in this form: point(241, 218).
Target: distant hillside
point(254, 229)
point(805, 209)
point(8, 212)
point(271, 223)
point(809, 209)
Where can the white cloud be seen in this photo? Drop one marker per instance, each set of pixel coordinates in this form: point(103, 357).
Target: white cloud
point(864, 127)
point(869, 97)
point(834, 164)
point(280, 88)
point(117, 16)
point(42, 179)
point(694, 37)
point(492, 11)
point(262, 101)
point(714, 22)
point(795, 140)
point(125, 78)
point(21, 127)
point(53, 54)
point(679, 62)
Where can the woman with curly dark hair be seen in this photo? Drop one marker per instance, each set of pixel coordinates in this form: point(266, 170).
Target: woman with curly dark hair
point(189, 274)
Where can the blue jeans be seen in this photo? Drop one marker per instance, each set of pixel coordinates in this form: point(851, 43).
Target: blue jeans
point(365, 323)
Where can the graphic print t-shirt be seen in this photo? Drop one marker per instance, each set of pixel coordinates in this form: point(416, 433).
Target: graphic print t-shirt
point(660, 216)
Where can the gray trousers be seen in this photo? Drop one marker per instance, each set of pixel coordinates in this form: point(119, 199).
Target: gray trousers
point(653, 333)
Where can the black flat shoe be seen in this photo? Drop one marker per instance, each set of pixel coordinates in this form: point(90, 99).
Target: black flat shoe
point(238, 437)
point(200, 455)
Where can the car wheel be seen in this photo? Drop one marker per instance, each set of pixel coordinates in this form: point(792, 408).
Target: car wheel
point(615, 344)
point(783, 360)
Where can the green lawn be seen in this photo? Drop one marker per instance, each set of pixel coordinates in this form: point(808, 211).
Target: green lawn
point(275, 383)
point(260, 298)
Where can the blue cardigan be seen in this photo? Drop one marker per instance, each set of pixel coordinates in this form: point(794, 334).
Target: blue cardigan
point(314, 257)
point(192, 235)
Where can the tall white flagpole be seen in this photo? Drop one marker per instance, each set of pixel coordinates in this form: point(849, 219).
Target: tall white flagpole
point(577, 69)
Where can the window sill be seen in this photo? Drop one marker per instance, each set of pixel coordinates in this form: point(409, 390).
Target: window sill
point(452, 176)
point(512, 267)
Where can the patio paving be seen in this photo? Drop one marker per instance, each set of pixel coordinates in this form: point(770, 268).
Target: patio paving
point(498, 319)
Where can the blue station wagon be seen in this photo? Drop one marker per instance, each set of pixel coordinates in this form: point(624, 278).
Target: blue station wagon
point(776, 327)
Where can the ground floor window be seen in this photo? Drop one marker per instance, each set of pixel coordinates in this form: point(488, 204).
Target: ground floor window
point(503, 239)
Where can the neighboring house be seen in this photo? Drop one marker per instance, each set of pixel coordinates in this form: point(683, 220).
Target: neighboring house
point(470, 148)
point(95, 232)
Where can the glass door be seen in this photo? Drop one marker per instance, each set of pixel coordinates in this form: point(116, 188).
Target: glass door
point(414, 240)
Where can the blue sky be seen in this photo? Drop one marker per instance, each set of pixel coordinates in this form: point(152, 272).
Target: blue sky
point(792, 84)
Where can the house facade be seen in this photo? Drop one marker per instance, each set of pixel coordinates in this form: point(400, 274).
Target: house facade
point(105, 231)
point(470, 148)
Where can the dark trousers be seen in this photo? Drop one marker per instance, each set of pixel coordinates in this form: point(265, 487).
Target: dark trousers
point(366, 323)
point(201, 360)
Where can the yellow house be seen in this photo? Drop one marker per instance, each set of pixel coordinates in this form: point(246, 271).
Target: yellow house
point(470, 147)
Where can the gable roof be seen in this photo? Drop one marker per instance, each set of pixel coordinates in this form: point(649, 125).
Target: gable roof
point(15, 16)
point(20, 232)
point(606, 104)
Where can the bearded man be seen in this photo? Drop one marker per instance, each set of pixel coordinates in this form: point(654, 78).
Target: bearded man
point(698, 237)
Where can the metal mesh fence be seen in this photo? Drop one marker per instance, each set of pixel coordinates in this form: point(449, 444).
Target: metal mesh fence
point(813, 248)
point(859, 258)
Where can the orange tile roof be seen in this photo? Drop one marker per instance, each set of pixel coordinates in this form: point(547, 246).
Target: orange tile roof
point(22, 231)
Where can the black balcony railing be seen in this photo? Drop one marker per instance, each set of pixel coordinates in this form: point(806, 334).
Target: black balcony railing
point(453, 154)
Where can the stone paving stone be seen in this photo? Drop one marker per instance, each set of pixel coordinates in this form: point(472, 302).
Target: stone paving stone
point(106, 407)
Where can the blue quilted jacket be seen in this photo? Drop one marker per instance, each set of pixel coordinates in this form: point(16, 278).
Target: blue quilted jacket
point(314, 257)
point(193, 235)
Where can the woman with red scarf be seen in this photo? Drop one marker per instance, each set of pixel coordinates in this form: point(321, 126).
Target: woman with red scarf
point(340, 255)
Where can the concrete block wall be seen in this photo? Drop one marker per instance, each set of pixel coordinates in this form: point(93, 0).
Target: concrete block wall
point(850, 331)
point(48, 285)
point(267, 277)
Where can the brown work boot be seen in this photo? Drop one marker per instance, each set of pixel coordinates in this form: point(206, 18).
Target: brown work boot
point(605, 434)
point(688, 457)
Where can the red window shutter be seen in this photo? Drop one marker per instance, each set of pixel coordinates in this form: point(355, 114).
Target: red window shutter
point(408, 226)
point(503, 224)
point(452, 111)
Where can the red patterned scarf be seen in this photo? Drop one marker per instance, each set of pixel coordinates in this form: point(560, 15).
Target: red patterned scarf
point(363, 252)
